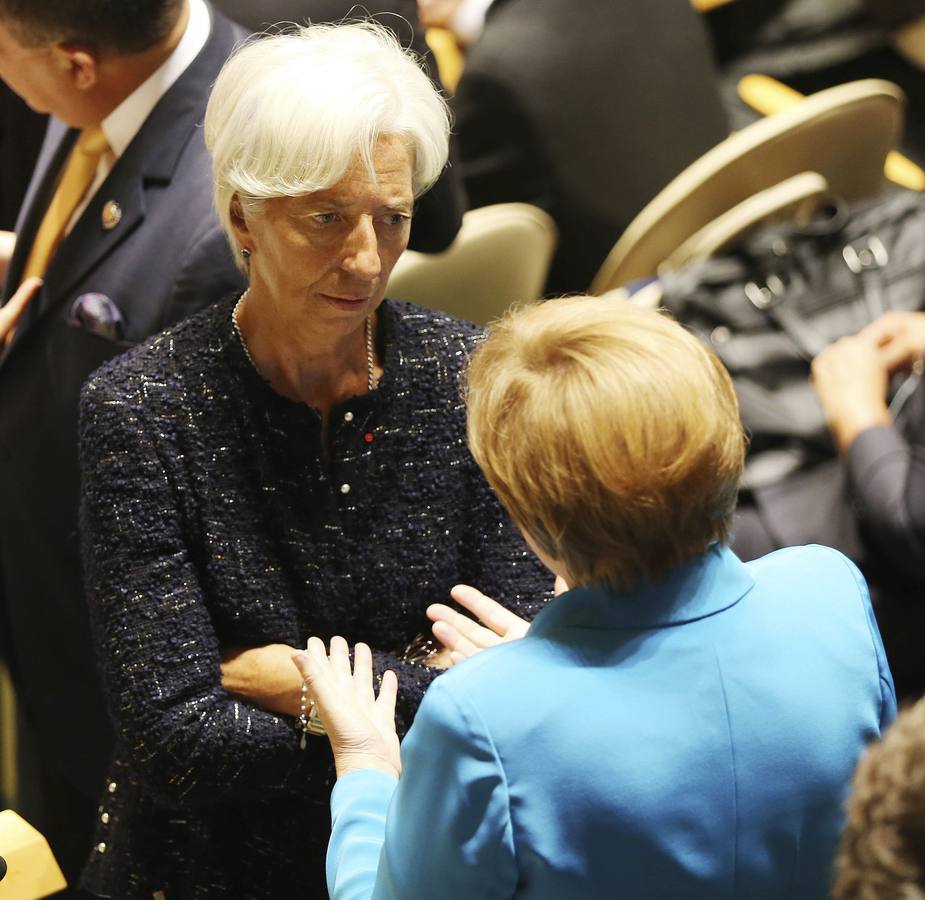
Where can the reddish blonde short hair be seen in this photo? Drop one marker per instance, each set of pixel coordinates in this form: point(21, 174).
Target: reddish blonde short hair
point(611, 435)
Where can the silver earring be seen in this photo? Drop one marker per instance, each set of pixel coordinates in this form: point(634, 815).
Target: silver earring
point(246, 256)
point(245, 253)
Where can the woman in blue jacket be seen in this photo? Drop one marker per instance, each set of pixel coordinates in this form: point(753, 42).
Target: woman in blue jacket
point(678, 723)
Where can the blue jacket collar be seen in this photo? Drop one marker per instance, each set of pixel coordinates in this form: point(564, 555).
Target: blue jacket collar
point(701, 587)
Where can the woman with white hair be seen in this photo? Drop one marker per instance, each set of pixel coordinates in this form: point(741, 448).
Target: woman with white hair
point(291, 462)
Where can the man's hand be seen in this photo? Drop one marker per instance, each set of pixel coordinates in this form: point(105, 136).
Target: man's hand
point(359, 725)
point(11, 311)
point(464, 637)
point(900, 338)
point(851, 378)
point(7, 246)
point(264, 676)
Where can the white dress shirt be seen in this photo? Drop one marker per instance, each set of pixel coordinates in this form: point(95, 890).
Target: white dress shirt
point(469, 20)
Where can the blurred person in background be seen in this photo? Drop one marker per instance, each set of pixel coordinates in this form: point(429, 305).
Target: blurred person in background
point(882, 852)
point(465, 19)
point(810, 45)
point(587, 111)
point(870, 501)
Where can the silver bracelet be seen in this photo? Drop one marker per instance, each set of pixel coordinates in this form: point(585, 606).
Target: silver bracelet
point(309, 720)
point(420, 651)
point(303, 716)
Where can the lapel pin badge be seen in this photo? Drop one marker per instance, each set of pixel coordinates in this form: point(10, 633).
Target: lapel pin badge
point(112, 215)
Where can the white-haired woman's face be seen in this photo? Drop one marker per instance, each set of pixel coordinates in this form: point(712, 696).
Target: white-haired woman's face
point(327, 256)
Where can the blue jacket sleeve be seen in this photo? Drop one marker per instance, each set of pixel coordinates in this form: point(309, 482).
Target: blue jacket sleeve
point(447, 830)
point(885, 677)
point(359, 804)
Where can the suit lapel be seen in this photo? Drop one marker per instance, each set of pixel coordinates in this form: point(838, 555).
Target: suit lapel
point(148, 164)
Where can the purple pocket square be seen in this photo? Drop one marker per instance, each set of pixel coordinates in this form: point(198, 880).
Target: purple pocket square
point(98, 315)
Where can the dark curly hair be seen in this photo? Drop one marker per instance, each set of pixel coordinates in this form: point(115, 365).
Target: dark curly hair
point(110, 26)
point(882, 855)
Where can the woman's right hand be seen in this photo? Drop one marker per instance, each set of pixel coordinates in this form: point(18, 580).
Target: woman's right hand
point(359, 725)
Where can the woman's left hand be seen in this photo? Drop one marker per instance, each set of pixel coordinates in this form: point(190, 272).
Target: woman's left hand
point(359, 725)
point(851, 381)
point(463, 636)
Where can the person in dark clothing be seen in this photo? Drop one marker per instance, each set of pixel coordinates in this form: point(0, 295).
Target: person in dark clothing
point(291, 462)
point(811, 45)
point(587, 111)
point(871, 501)
point(127, 242)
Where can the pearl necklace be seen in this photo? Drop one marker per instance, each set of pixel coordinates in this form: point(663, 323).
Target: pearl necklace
point(368, 329)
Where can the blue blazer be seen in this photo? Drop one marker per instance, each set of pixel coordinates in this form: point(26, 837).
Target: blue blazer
point(692, 739)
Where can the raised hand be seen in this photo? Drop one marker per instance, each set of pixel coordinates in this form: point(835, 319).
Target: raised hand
point(463, 636)
point(359, 725)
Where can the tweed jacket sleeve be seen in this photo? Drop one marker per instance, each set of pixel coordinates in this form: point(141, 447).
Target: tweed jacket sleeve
point(158, 652)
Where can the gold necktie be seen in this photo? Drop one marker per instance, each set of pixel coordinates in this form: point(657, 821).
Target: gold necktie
point(78, 175)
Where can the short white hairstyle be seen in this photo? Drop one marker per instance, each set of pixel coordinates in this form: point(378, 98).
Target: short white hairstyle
point(290, 113)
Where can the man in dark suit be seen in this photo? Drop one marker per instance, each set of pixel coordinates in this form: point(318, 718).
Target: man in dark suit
point(438, 214)
point(135, 247)
point(870, 501)
point(586, 110)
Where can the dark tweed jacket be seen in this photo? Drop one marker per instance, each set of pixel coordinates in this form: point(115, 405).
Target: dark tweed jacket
point(211, 519)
